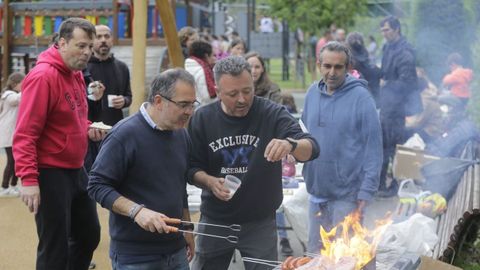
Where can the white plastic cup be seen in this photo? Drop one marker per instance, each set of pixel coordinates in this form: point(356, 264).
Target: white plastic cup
point(110, 100)
point(232, 183)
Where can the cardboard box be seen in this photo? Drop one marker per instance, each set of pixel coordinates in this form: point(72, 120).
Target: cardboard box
point(431, 264)
point(408, 162)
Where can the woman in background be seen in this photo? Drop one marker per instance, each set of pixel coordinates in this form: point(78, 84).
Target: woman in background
point(9, 100)
point(200, 64)
point(264, 87)
point(187, 35)
point(237, 47)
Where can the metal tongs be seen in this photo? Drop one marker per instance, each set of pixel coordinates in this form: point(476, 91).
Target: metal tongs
point(230, 238)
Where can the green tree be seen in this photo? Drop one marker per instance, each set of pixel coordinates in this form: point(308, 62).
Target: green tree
point(312, 15)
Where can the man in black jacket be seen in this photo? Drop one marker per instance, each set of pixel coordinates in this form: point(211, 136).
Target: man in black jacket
point(399, 86)
point(114, 75)
point(111, 78)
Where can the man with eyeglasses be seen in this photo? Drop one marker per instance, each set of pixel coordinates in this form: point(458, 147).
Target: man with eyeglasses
point(140, 176)
point(245, 136)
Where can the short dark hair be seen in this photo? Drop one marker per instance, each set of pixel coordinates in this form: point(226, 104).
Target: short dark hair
point(237, 41)
point(200, 49)
point(67, 27)
point(335, 46)
point(164, 83)
point(232, 65)
point(393, 22)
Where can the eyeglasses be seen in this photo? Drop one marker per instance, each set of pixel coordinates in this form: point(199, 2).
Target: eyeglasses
point(183, 104)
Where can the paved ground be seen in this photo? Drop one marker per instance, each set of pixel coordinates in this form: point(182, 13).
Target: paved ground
point(18, 238)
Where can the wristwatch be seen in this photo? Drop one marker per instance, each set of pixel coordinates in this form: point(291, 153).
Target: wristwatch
point(293, 143)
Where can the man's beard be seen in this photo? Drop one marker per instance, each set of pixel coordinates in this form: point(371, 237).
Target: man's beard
point(103, 51)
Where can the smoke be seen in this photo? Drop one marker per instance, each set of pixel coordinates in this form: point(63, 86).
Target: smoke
point(441, 27)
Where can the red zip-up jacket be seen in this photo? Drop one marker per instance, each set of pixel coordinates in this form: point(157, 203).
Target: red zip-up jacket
point(52, 123)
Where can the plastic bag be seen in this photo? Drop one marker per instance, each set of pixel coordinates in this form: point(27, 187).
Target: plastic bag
point(415, 142)
point(416, 234)
point(296, 211)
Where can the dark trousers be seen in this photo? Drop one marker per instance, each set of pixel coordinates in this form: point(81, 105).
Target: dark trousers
point(393, 133)
point(67, 223)
point(9, 177)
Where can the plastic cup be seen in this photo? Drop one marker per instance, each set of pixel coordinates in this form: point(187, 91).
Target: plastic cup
point(232, 183)
point(110, 100)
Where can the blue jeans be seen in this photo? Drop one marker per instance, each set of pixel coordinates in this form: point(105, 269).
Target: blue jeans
point(328, 215)
point(280, 218)
point(174, 261)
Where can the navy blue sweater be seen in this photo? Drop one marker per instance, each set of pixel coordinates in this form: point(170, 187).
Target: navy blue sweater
point(147, 166)
point(223, 144)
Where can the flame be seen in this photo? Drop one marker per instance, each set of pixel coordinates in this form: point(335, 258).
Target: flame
point(354, 240)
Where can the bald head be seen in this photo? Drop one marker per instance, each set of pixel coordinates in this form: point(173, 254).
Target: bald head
point(103, 42)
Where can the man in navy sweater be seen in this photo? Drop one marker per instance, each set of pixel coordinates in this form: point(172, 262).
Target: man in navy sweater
point(140, 176)
point(246, 136)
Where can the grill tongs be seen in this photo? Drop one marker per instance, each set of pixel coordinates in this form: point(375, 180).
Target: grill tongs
point(230, 238)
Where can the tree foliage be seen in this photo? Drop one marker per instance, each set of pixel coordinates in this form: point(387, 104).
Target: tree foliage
point(313, 15)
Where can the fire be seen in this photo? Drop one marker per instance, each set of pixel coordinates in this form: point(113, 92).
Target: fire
point(354, 240)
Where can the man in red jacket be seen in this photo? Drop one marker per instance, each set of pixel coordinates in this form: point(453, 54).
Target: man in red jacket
point(49, 146)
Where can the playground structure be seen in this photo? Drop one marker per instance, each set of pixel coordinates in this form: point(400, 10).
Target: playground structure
point(27, 28)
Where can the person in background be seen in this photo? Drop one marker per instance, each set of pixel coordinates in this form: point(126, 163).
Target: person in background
point(49, 147)
point(113, 74)
point(224, 43)
point(237, 47)
point(245, 136)
point(398, 94)
point(429, 124)
point(459, 79)
point(289, 102)
point(264, 87)
point(372, 49)
point(200, 64)
point(139, 176)
point(9, 101)
point(346, 175)
point(360, 62)
point(340, 35)
point(327, 37)
point(266, 24)
point(234, 35)
point(187, 35)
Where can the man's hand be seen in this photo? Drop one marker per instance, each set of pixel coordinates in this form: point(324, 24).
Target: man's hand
point(96, 134)
point(151, 221)
point(216, 185)
point(118, 102)
point(190, 245)
point(277, 149)
point(360, 206)
point(30, 195)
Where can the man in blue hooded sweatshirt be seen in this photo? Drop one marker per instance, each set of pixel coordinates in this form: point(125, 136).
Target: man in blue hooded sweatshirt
point(340, 114)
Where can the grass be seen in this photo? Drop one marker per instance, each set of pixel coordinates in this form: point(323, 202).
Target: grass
point(293, 84)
